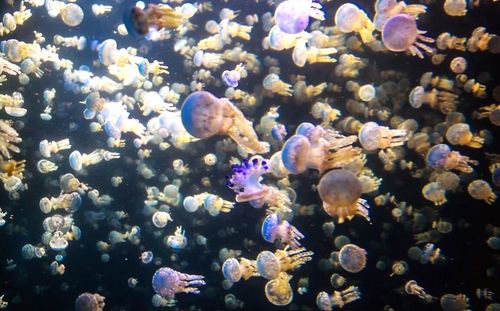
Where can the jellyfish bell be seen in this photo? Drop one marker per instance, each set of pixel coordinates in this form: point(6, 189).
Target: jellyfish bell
point(135, 21)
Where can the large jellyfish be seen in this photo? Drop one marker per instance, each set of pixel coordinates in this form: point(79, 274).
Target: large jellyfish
point(168, 282)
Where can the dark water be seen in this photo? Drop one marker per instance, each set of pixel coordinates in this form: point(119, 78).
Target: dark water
point(30, 286)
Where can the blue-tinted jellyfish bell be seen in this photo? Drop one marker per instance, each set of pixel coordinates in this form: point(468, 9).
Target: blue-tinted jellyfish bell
point(139, 21)
point(178, 240)
point(246, 179)
point(146, 257)
point(340, 191)
point(204, 115)
point(89, 302)
point(233, 270)
point(278, 291)
point(292, 16)
point(160, 219)
point(270, 264)
point(400, 33)
point(106, 51)
point(273, 229)
point(168, 282)
point(440, 156)
point(352, 258)
point(373, 136)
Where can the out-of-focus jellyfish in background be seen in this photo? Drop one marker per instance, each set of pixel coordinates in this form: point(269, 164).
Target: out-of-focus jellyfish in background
point(442, 157)
point(352, 258)
point(168, 282)
point(481, 190)
point(278, 291)
point(204, 115)
point(89, 302)
point(412, 288)
point(350, 18)
point(400, 33)
point(450, 302)
point(338, 299)
point(273, 229)
point(373, 136)
point(292, 16)
point(269, 264)
point(234, 270)
point(72, 14)
point(146, 257)
point(340, 191)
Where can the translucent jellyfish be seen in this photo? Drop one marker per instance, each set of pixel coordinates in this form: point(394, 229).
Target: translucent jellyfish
point(400, 33)
point(340, 191)
point(178, 240)
point(292, 16)
point(269, 265)
point(160, 219)
point(278, 291)
point(48, 148)
point(367, 92)
point(46, 166)
point(78, 160)
point(231, 78)
point(204, 115)
point(234, 270)
point(434, 193)
point(72, 14)
point(139, 21)
point(441, 157)
point(273, 229)
point(246, 179)
point(481, 190)
point(373, 136)
point(146, 257)
point(338, 299)
point(384, 9)
point(28, 251)
point(89, 302)
point(460, 134)
point(352, 258)
point(412, 288)
point(451, 302)
point(455, 7)
point(458, 65)
point(350, 18)
point(168, 282)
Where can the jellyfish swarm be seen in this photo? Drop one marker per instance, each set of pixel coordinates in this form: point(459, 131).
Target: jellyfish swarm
point(340, 191)
point(400, 33)
point(204, 115)
point(139, 21)
point(292, 16)
point(168, 282)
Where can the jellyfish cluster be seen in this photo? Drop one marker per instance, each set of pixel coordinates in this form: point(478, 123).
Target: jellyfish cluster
point(251, 154)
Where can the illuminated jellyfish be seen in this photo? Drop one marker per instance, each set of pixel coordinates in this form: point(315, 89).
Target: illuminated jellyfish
point(434, 193)
point(89, 302)
point(481, 190)
point(269, 264)
point(441, 157)
point(58, 242)
point(57, 222)
point(384, 9)
point(79, 161)
point(215, 204)
point(160, 219)
point(292, 16)
point(352, 258)
point(146, 257)
point(72, 14)
point(412, 288)
point(233, 270)
point(231, 78)
point(69, 183)
point(93, 104)
point(338, 299)
point(278, 291)
point(316, 148)
point(373, 136)
point(204, 115)
point(178, 240)
point(139, 21)
point(460, 134)
point(350, 18)
point(400, 33)
point(340, 191)
point(451, 302)
point(273, 229)
point(168, 282)
point(48, 148)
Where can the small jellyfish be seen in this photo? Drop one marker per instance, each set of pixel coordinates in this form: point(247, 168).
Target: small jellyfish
point(440, 156)
point(72, 14)
point(89, 302)
point(373, 136)
point(400, 33)
point(434, 193)
point(160, 219)
point(234, 270)
point(146, 257)
point(270, 264)
point(292, 16)
point(367, 92)
point(58, 242)
point(231, 78)
point(481, 190)
point(168, 282)
point(340, 191)
point(352, 258)
point(178, 240)
point(412, 288)
point(278, 291)
point(460, 134)
point(338, 299)
point(273, 229)
point(350, 18)
point(204, 115)
point(455, 7)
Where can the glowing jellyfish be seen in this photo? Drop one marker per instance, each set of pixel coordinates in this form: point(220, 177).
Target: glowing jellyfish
point(168, 282)
point(146, 257)
point(292, 16)
point(139, 21)
point(450, 302)
point(434, 193)
point(373, 136)
point(278, 291)
point(58, 242)
point(72, 14)
point(204, 115)
point(441, 157)
point(273, 229)
point(269, 264)
point(400, 33)
point(340, 191)
point(481, 190)
point(178, 240)
point(233, 270)
point(352, 258)
point(89, 302)
point(460, 134)
point(350, 18)
point(160, 219)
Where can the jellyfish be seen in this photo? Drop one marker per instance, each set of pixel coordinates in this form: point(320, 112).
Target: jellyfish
point(350, 18)
point(72, 14)
point(412, 288)
point(89, 302)
point(168, 282)
point(451, 302)
point(338, 299)
point(292, 16)
point(139, 21)
point(234, 270)
point(434, 193)
point(160, 219)
point(146, 257)
point(48, 148)
point(58, 242)
point(400, 33)
point(204, 115)
point(178, 240)
point(460, 134)
point(481, 190)
point(340, 191)
point(373, 136)
point(269, 264)
point(278, 291)
point(273, 229)
point(231, 78)
point(441, 157)
point(352, 258)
